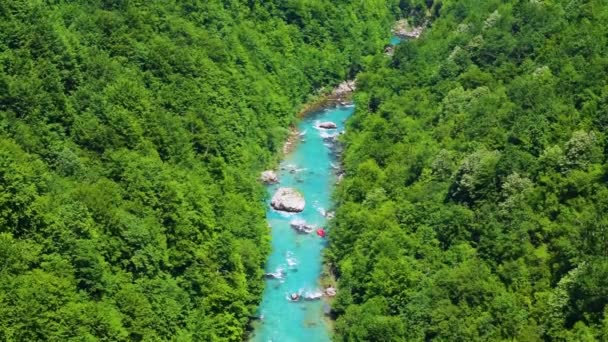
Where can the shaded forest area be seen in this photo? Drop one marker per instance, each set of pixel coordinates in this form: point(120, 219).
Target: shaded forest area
point(475, 202)
point(131, 136)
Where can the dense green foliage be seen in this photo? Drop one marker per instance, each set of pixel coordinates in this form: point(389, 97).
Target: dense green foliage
point(131, 135)
point(475, 206)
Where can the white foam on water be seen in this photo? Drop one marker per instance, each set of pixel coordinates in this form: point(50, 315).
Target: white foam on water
point(313, 295)
point(279, 274)
point(292, 168)
point(300, 292)
point(292, 260)
point(288, 166)
point(323, 134)
point(284, 214)
point(297, 221)
point(320, 209)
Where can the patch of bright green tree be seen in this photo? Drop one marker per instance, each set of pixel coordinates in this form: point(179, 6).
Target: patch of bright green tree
point(475, 206)
point(131, 136)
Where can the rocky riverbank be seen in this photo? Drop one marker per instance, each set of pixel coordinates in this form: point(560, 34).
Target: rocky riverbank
point(403, 29)
point(340, 95)
point(292, 140)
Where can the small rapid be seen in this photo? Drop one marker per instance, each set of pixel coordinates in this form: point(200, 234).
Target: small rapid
point(293, 307)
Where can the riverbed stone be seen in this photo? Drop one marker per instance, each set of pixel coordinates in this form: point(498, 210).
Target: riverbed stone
point(328, 125)
point(330, 292)
point(269, 177)
point(301, 226)
point(288, 199)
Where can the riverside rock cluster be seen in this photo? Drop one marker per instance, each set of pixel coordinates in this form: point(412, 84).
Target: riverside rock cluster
point(403, 30)
point(269, 177)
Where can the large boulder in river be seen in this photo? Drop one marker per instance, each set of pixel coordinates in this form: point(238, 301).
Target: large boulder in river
point(288, 199)
point(328, 125)
point(269, 177)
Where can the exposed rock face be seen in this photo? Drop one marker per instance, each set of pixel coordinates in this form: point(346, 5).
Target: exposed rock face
point(402, 29)
point(269, 177)
point(344, 88)
point(288, 199)
point(389, 51)
point(328, 125)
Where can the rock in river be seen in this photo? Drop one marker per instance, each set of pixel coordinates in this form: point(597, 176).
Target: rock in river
point(328, 125)
point(330, 291)
point(269, 176)
point(301, 226)
point(288, 199)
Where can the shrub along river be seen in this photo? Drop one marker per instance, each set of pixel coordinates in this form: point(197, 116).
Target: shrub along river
point(295, 263)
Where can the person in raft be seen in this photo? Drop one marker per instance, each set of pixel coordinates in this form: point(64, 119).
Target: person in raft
point(321, 232)
point(294, 297)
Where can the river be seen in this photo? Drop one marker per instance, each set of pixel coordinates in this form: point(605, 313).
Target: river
point(310, 168)
point(297, 258)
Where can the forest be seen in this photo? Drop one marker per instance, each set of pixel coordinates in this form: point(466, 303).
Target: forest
point(475, 202)
point(132, 134)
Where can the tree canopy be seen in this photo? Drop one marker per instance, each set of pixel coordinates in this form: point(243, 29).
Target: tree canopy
point(475, 202)
point(131, 136)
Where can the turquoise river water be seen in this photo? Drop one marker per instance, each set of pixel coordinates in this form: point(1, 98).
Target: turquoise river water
point(395, 40)
point(310, 168)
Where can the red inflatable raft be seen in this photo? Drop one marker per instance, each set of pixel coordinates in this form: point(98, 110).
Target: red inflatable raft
point(321, 232)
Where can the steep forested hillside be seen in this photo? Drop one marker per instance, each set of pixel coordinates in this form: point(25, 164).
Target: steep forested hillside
point(131, 135)
point(475, 206)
